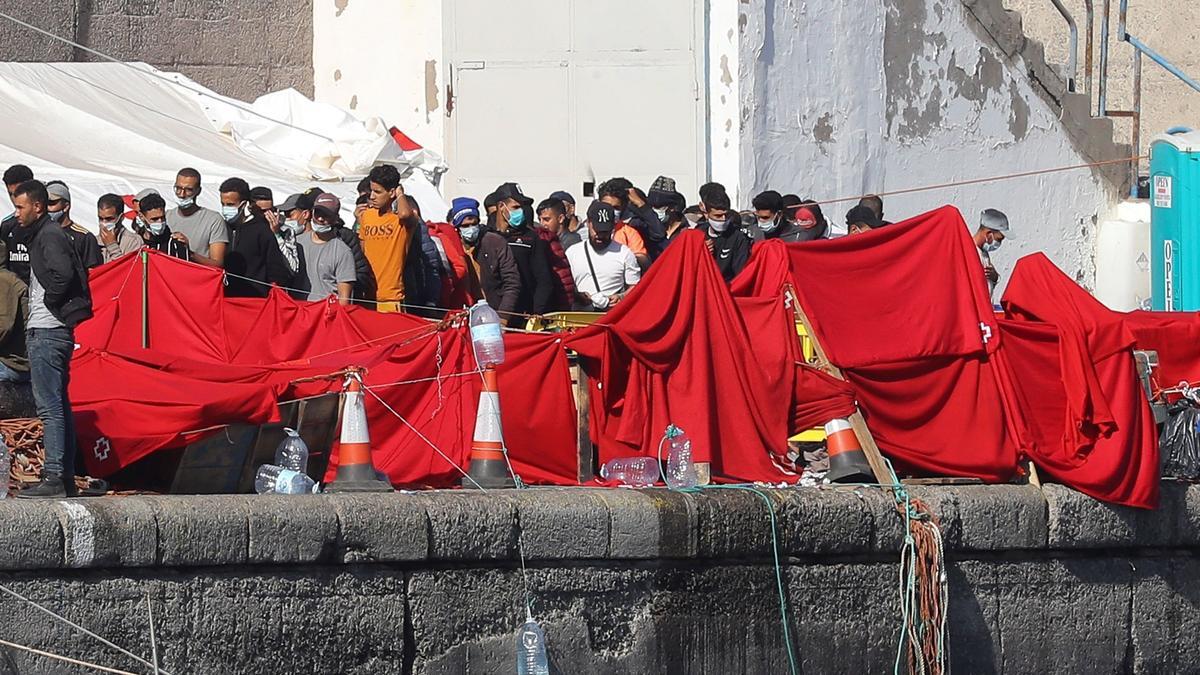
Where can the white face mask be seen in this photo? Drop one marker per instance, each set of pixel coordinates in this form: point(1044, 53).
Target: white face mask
point(186, 203)
point(662, 214)
point(768, 225)
point(110, 224)
point(230, 213)
point(991, 246)
point(718, 225)
point(321, 229)
point(156, 227)
point(294, 226)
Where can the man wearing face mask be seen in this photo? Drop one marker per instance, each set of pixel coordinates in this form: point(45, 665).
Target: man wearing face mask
point(492, 273)
point(514, 221)
point(202, 230)
point(326, 262)
point(114, 238)
point(59, 208)
point(730, 246)
point(154, 231)
point(637, 230)
point(286, 234)
point(254, 261)
point(364, 282)
point(993, 230)
point(604, 270)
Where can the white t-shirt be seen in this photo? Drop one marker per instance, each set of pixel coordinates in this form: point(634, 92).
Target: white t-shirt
point(616, 268)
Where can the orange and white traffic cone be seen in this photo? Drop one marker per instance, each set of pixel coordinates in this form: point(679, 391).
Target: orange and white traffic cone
point(847, 461)
point(355, 472)
point(488, 467)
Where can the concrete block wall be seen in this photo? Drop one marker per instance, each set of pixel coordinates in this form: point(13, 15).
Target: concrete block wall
point(623, 581)
point(240, 48)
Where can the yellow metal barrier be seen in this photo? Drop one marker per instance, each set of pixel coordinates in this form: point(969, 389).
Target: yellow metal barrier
point(809, 350)
point(556, 322)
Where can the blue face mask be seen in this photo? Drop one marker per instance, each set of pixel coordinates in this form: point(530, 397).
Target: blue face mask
point(230, 213)
point(470, 234)
point(516, 218)
point(57, 216)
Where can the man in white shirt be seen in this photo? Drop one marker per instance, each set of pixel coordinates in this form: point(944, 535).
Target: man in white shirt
point(604, 270)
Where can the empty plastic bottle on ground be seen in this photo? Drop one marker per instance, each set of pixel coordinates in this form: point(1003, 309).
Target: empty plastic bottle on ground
point(282, 481)
point(5, 467)
point(631, 471)
point(292, 452)
point(681, 470)
point(486, 335)
point(531, 650)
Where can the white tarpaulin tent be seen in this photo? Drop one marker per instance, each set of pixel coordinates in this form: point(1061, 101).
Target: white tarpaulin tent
point(110, 127)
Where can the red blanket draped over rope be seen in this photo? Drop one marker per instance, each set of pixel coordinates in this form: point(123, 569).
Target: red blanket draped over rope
point(205, 343)
point(1087, 418)
point(904, 312)
point(676, 350)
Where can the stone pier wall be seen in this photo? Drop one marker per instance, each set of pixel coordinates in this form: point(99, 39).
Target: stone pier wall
point(623, 581)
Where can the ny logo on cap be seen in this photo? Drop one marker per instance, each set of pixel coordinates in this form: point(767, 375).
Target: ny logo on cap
point(602, 215)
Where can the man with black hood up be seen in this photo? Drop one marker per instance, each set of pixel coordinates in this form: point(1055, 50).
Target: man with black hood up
point(514, 221)
point(730, 246)
point(802, 221)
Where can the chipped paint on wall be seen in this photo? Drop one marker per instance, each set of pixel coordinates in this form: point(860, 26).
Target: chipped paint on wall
point(846, 99)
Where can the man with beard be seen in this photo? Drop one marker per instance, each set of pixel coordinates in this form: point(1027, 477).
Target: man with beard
point(604, 270)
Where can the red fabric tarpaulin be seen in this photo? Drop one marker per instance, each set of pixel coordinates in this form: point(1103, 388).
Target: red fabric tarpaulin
point(904, 312)
point(1176, 338)
point(1087, 419)
point(676, 350)
point(202, 341)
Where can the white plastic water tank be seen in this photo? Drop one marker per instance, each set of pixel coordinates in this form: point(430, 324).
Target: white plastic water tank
point(1123, 257)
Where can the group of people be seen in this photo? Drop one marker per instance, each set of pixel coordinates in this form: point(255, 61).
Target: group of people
point(523, 260)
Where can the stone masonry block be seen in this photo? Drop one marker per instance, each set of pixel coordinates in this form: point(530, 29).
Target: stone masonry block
point(209, 530)
point(108, 532)
point(380, 527)
point(633, 530)
point(999, 517)
point(291, 529)
point(1079, 521)
point(570, 523)
point(826, 521)
point(30, 536)
point(466, 525)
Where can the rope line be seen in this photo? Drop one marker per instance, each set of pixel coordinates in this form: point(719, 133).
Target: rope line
point(988, 179)
point(66, 659)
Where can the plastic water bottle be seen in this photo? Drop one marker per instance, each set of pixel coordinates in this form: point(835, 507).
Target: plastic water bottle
point(275, 479)
point(292, 453)
point(486, 335)
point(681, 470)
point(531, 650)
point(631, 471)
point(5, 467)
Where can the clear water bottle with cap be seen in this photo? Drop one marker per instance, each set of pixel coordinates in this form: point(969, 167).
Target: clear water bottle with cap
point(292, 452)
point(531, 650)
point(278, 480)
point(5, 467)
point(486, 335)
point(681, 470)
point(631, 471)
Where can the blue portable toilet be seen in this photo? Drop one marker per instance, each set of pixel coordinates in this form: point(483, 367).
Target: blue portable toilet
point(1175, 221)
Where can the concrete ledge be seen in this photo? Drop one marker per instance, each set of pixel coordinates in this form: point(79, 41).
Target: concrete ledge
point(566, 524)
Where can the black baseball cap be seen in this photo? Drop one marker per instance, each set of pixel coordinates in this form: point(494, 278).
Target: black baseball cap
point(563, 196)
point(512, 191)
point(601, 217)
point(260, 193)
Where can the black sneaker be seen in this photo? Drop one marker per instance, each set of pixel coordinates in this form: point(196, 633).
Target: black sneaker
point(50, 487)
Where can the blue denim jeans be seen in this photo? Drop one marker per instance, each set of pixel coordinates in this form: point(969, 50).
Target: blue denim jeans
point(9, 375)
point(50, 352)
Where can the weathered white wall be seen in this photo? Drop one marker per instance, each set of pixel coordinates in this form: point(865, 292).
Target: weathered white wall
point(724, 97)
point(383, 58)
point(841, 99)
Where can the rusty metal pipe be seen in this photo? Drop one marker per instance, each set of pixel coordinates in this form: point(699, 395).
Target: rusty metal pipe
point(1090, 18)
point(1102, 103)
point(1073, 45)
point(1135, 163)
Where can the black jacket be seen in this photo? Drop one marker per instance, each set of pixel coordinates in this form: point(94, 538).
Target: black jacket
point(653, 231)
point(53, 261)
point(15, 240)
point(422, 275)
point(364, 276)
point(86, 246)
point(165, 244)
point(499, 278)
point(731, 251)
point(254, 253)
point(538, 280)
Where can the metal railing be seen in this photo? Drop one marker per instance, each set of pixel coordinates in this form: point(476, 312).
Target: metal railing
point(1073, 47)
point(1139, 49)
